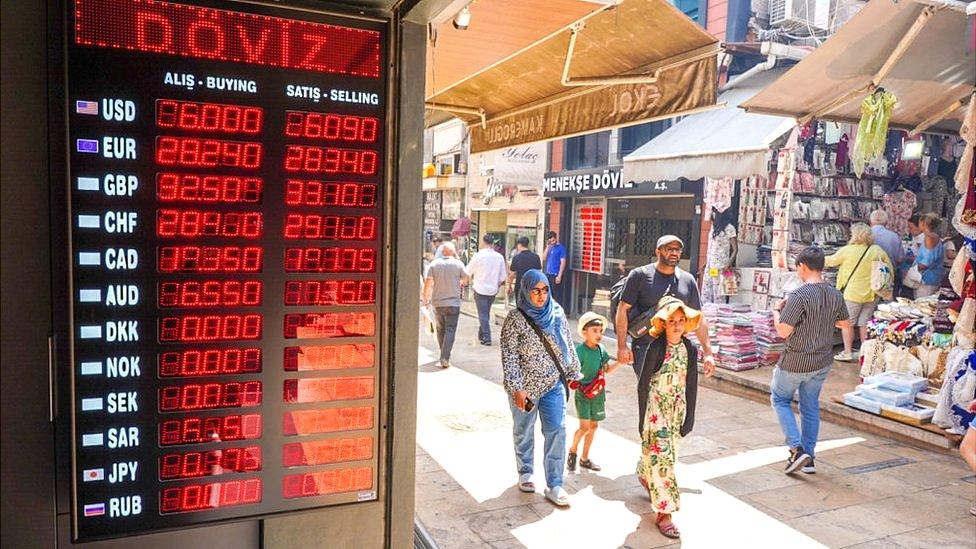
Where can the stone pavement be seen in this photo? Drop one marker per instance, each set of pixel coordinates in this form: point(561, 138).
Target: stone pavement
point(869, 491)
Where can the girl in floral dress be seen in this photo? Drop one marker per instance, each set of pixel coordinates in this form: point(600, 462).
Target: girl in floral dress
point(666, 396)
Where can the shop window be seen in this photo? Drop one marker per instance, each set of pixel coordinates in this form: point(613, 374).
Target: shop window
point(587, 151)
point(634, 137)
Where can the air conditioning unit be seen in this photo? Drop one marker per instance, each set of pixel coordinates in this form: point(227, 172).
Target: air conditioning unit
point(814, 14)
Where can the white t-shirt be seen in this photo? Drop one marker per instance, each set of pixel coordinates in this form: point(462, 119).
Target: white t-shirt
point(487, 269)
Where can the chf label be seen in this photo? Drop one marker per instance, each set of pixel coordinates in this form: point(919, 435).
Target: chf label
point(118, 110)
point(124, 437)
point(119, 147)
point(125, 506)
point(120, 222)
point(121, 259)
point(121, 185)
point(119, 403)
point(123, 471)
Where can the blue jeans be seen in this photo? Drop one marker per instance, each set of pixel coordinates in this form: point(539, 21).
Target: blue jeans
point(783, 387)
point(552, 408)
point(483, 302)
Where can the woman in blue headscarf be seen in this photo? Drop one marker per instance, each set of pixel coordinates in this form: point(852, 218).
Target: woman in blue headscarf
point(538, 360)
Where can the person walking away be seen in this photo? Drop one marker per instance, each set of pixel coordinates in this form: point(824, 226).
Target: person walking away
point(930, 259)
point(806, 320)
point(554, 259)
point(723, 247)
point(538, 362)
point(442, 290)
point(644, 288)
point(523, 260)
point(590, 393)
point(488, 273)
point(666, 404)
point(854, 281)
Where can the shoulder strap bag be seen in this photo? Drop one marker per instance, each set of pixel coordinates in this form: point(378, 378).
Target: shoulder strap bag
point(849, 277)
point(550, 350)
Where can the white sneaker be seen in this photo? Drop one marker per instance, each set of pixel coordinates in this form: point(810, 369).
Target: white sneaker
point(558, 496)
point(845, 357)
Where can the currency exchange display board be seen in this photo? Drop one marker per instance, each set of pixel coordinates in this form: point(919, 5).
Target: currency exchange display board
point(226, 182)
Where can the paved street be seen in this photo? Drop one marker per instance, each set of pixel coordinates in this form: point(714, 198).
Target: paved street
point(868, 491)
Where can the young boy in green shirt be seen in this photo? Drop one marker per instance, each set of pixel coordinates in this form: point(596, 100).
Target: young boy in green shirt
point(590, 391)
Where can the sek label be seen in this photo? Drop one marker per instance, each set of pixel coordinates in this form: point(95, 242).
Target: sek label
point(119, 403)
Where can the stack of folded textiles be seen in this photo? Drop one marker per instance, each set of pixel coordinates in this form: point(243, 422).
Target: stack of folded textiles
point(768, 343)
point(736, 338)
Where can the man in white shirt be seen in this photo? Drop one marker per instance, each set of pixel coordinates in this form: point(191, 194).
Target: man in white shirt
point(488, 272)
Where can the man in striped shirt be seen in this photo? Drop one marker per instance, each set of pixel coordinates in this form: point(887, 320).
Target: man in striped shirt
point(806, 320)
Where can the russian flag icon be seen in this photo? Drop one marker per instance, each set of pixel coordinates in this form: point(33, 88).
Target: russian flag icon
point(94, 509)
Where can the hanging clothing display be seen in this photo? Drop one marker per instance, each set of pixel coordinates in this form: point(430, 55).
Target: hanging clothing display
point(718, 193)
point(899, 207)
point(958, 390)
point(872, 131)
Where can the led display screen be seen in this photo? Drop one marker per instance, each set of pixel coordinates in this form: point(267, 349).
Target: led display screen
point(226, 181)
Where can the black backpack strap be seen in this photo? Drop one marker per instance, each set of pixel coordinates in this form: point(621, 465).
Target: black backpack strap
point(849, 277)
point(550, 350)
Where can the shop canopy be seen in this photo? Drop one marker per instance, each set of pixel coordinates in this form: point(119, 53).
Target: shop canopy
point(913, 50)
point(639, 60)
point(728, 142)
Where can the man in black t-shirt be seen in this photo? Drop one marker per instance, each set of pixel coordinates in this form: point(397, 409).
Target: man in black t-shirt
point(523, 261)
point(646, 286)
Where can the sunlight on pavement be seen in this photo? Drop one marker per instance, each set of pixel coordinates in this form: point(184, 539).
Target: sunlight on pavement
point(465, 425)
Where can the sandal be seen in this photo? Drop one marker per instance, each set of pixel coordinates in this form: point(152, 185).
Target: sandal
point(587, 464)
point(526, 484)
point(571, 462)
point(668, 529)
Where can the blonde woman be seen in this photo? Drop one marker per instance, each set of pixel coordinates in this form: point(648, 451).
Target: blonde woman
point(854, 281)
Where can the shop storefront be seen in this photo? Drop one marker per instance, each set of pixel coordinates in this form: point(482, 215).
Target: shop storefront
point(609, 226)
point(504, 196)
point(917, 364)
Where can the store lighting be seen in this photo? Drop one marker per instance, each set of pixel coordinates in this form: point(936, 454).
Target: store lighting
point(913, 150)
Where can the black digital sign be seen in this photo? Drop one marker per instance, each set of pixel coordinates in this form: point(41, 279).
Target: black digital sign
point(226, 177)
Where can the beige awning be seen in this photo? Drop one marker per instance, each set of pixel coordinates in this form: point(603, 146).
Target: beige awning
point(726, 142)
point(526, 97)
point(916, 52)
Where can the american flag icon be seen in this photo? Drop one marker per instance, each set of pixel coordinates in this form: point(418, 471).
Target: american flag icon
point(86, 107)
point(94, 509)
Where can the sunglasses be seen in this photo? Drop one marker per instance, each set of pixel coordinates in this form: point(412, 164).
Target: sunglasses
point(539, 291)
